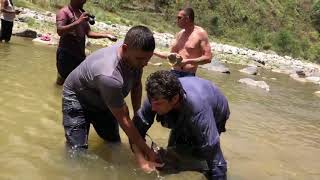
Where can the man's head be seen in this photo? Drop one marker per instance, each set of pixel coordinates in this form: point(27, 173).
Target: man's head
point(164, 91)
point(78, 3)
point(185, 17)
point(138, 46)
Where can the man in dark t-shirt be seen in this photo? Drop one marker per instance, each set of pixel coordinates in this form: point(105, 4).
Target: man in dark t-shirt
point(73, 27)
point(194, 109)
point(94, 92)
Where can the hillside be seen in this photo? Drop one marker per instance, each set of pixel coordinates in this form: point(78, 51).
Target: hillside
point(288, 27)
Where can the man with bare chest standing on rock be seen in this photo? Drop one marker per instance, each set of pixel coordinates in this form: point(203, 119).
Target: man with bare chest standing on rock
point(191, 46)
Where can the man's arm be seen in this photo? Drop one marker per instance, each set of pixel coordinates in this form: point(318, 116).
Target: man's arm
point(63, 27)
point(122, 116)
point(143, 120)
point(162, 55)
point(136, 95)
point(110, 90)
point(98, 35)
point(206, 52)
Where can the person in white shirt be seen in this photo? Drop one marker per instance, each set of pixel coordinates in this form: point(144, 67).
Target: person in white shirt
point(8, 13)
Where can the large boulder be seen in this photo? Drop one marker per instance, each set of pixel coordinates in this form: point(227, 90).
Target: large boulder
point(27, 33)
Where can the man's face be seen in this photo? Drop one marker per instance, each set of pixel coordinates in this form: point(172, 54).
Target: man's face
point(137, 58)
point(162, 106)
point(181, 19)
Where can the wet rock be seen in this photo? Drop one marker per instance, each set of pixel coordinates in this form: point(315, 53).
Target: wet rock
point(313, 79)
point(297, 78)
point(251, 82)
point(252, 70)
point(216, 66)
point(301, 73)
point(26, 33)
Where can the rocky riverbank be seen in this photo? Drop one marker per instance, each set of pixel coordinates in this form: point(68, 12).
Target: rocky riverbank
point(41, 26)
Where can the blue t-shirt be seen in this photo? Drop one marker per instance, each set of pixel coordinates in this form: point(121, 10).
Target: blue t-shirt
point(203, 108)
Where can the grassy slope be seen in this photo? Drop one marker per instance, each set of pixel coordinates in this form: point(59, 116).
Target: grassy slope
point(280, 25)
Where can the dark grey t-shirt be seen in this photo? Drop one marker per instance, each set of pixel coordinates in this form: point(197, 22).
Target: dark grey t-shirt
point(103, 80)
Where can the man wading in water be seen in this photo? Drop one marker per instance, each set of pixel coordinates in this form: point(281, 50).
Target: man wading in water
point(73, 27)
point(191, 44)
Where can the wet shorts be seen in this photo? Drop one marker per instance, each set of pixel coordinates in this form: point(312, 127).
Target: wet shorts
point(180, 74)
point(66, 62)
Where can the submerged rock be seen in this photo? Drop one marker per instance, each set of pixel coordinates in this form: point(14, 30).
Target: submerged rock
point(251, 82)
point(216, 66)
point(252, 70)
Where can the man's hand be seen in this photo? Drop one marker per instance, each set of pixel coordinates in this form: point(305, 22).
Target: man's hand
point(174, 59)
point(112, 37)
point(84, 17)
point(148, 166)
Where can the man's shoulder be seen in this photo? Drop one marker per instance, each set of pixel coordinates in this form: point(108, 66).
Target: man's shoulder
point(64, 10)
point(201, 32)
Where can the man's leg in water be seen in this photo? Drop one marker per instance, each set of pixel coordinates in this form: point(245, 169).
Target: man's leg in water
point(217, 166)
point(106, 125)
point(75, 124)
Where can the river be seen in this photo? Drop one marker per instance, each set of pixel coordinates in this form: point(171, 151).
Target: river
point(270, 135)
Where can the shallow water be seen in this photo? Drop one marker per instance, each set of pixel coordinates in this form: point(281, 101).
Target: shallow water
point(270, 135)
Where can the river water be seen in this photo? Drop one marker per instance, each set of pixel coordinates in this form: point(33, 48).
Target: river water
point(270, 135)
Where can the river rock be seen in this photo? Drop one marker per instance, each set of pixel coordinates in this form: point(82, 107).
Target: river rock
point(252, 70)
point(251, 82)
point(313, 79)
point(26, 33)
point(217, 66)
point(297, 78)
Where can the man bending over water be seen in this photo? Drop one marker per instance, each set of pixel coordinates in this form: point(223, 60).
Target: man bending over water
point(94, 92)
point(194, 109)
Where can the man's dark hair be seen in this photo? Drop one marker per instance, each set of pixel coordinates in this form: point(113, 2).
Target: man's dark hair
point(190, 13)
point(140, 37)
point(163, 84)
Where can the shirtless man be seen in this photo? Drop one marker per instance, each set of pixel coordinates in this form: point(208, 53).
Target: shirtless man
point(191, 44)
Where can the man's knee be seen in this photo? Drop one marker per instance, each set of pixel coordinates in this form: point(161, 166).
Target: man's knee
point(77, 136)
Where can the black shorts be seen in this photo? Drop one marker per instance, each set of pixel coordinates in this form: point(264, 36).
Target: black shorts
point(76, 122)
point(6, 30)
point(67, 62)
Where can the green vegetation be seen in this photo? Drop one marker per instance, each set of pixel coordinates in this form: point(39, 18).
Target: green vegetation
point(289, 27)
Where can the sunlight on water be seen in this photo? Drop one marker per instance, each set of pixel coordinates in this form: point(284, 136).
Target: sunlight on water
point(271, 135)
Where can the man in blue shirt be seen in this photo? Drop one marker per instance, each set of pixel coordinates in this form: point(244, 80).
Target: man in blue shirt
point(196, 112)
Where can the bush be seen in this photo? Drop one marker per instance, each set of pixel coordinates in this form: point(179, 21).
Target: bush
point(315, 16)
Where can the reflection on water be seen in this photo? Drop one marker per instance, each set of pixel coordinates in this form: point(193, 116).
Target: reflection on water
point(270, 136)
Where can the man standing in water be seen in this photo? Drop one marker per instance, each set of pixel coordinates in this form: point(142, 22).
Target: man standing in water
point(94, 92)
point(8, 13)
point(191, 44)
point(72, 26)
point(194, 109)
